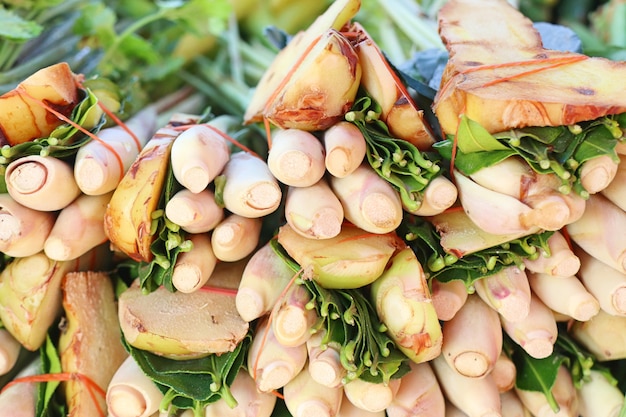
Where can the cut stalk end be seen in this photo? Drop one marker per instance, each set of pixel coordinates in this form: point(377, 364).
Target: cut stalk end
point(125, 401)
point(472, 364)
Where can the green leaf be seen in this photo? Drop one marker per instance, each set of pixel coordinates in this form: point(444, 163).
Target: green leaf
point(47, 404)
point(15, 28)
point(472, 137)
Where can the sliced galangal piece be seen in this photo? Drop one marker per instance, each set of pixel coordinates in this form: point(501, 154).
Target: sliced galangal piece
point(500, 75)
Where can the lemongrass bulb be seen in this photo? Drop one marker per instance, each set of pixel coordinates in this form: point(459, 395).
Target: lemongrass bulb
point(507, 291)
point(565, 295)
point(78, 228)
point(131, 393)
point(345, 148)
point(235, 237)
point(304, 397)
point(314, 211)
point(371, 396)
point(9, 351)
point(292, 318)
point(472, 339)
point(194, 267)
point(42, 183)
point(597, 173)
point(512, 406)
point(250, 401)
point(324, 362)
point(194, 212)
point(564, 393)
point(599, 397)
point(560, 261)
point(23, 230)
point(296, 158)
point(604, 336)
point(536, 333)
point(20, 399)
point(448, 297)
point(347, 409)
point(369, 202)
point(439, 195)
point(610, 290)
point(250, 189)
point(616, 190)
point(100, 164)
point(419, 394)
point(504, 373)
point(198, 155)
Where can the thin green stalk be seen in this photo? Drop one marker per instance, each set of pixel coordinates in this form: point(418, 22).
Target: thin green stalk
point(416, 28)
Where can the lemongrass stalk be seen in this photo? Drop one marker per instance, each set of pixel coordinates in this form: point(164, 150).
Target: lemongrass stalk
point(347, 409)
point(194, 267)
point(565, 295)
point(452, 410)
point(42, 183)
point(78, 228)
point(9, 351)
point(616, 190)
point(564, 394)
point(448, 297)
point(512, 406)
point(595, 233)
point(504, 373)
point(23, 230)
point(605, 283)
point(198, 155)
point(293, 319)
point(561, 261)
point(604, 336)
point(369, 202)
point(419, 394)
point(314, 211)
point(296, 157)
point(324, 361)
point(439, 195)
point(100, 164)
point(464, 391)
point(536, 333)
point(304, 397)
point(403, 303)
point(472, 339)
point(235, 237)
point(507, 291)
point(371, 396)
point(345, 148)
point(271, 364)
point(597, 173)
point(131, 393)
point(263, 280)
point(505, 177)
point(30, 297)
point(598, 397)
point(250, 401)
point(194, 212)
point(550, 211)
point(250, 189)
point(20, 399)
point(493, 212)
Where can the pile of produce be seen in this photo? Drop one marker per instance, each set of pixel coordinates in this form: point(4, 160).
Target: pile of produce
point(215, 208)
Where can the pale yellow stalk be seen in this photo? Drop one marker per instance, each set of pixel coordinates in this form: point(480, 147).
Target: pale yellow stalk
point(472, 339)
point(97, 169)
point(345, 148)
point(371, 396)
point(464, 391)
point(235, 237)
point(324, 361)
point(305, 398)
point(369, 202)
point(604, 336)
point(198, 155)
point(595, 233)
point(314, 211)
point(448, 297)
point(536, 333)
point(565, 295)
point(292, 318)
point(507, 291)
point(194, 212)
point(598, 397)
point(250, 189)
point(597, 173)
point(439, 195)
point(512, 406)
point(271, 364)
point(78, 228)
point(296, 157)
point(347, 409)
point(23, 230)
point(419, 394)
point(616, 190)
point(42, 183)
point(504, 373)
point(263, 280)
point(605, 283)
point(10, 349)
point(194, 267)
point(19, 400)
point(561, 261)
point(250, 401)
point(131, 393)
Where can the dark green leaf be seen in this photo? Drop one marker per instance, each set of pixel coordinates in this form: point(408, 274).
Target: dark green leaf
point(472, 137)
